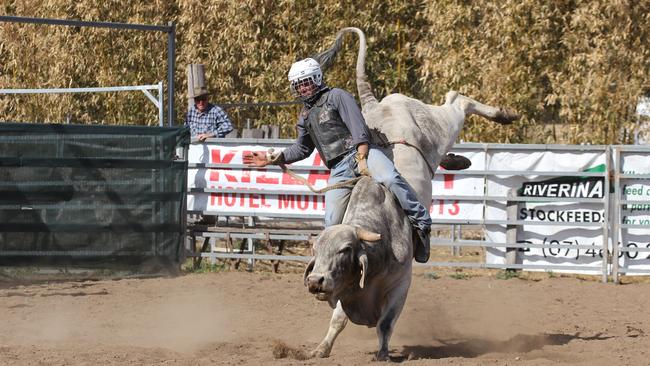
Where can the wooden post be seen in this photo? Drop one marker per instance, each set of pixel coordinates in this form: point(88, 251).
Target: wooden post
point(511, 230)
point(195, 79)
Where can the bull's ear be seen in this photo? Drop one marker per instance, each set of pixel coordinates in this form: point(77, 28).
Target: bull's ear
point(366, 235)
point(310, 267)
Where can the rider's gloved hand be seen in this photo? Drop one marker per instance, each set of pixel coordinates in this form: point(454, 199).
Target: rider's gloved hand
point(362, 164)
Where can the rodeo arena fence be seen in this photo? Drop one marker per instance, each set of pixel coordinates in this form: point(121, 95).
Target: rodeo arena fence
point(84, 199)
point(110, 197)
point(556, 208)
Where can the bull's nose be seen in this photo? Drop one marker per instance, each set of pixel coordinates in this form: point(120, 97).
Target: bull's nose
point(315, 282)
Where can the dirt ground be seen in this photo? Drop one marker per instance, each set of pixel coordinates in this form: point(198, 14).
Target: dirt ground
point(242, 318)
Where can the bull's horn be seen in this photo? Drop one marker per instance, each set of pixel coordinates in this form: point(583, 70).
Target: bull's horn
point(363, 262)
point(367, 235)
point(310, 267)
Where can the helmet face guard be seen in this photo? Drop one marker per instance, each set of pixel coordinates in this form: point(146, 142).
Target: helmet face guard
point(304, 88)
point(306, 78)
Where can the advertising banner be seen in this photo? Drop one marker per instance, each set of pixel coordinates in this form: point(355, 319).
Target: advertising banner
point(563, 223)
point(637, 213)
point(287, 195)
point(557, 226)
point(453, 185)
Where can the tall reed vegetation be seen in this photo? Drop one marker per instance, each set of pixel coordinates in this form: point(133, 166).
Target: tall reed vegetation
point(573, 69)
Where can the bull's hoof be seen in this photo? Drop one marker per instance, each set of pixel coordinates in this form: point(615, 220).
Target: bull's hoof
point(320, 352)
point(506, 116)
point(455, 162)
point(381, 356)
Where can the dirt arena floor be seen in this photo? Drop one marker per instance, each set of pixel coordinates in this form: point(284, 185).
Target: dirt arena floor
point(234, 317)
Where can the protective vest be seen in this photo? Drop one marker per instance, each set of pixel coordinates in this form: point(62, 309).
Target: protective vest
point(328, 132)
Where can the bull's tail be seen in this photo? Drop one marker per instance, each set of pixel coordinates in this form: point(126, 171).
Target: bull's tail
point(326, 59)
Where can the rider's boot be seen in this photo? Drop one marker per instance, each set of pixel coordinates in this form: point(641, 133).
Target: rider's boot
point(422, 248)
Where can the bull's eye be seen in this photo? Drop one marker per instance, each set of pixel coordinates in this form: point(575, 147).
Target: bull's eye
point(345, 249)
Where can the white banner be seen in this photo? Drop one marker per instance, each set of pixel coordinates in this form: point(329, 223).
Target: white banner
point(453, 185)
point(293, 199)
point(289, 196)
point(560, 216)
point(635, 213)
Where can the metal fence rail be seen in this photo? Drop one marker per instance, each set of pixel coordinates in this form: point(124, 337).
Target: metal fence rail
point(158, 102)
point(609, 228)
point(169, 29)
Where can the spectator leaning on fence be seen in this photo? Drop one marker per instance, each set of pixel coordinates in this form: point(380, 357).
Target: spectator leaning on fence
point(206, 120)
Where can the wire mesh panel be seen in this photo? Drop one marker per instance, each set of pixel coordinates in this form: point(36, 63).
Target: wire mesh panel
point(79, 194)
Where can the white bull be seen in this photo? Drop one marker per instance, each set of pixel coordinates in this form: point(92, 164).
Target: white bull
point(433, 129)
point(365, 282)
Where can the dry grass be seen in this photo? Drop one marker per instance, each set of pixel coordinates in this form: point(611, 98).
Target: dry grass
point(578, 64)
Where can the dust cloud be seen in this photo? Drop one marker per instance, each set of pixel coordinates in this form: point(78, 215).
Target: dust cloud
point(176, 321)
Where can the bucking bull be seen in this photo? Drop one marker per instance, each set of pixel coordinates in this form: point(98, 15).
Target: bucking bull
point(362, 267)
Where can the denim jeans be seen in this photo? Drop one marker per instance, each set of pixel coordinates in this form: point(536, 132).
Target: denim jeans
point(383, 171)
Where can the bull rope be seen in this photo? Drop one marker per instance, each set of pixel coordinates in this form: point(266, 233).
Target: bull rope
point(345, 184)
point(351, 182)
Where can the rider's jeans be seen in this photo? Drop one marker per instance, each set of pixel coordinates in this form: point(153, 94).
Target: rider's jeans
point(383, 171)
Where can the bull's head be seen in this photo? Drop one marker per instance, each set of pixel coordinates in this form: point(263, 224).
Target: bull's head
point(340, 261)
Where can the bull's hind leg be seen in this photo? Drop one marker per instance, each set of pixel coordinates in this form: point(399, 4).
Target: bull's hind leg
point(337, 323)
point(471, 106)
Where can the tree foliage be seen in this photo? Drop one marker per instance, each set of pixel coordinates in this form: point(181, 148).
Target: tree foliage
point(573, 69)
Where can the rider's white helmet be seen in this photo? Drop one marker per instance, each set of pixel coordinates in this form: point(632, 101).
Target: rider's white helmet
point(305, 72)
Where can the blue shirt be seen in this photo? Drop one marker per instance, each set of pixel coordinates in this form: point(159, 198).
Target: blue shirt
point(213, 120)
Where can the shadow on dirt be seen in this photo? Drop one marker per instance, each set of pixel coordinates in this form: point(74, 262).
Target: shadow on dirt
point(471, 348)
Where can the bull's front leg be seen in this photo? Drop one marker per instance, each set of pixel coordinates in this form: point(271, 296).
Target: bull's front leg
point(384, 332)
point(337, 323)
point(386, 323)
